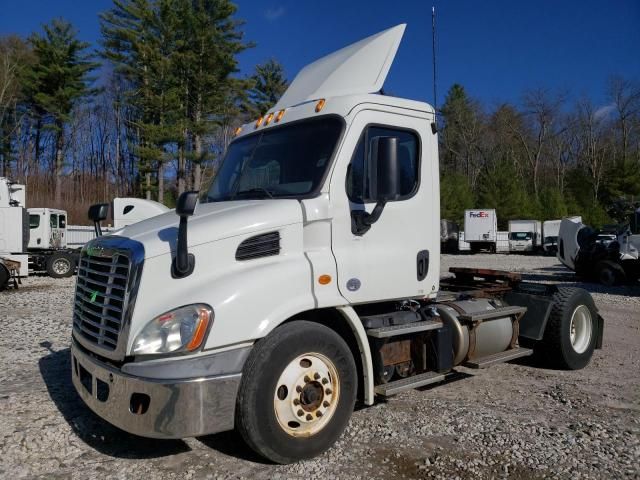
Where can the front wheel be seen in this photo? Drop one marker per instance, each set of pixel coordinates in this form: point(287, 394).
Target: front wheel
point(297, 392)
point(572, 329)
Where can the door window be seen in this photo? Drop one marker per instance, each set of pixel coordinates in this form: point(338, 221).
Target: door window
point(408, 156)
point(62, 221)
point(34, 221)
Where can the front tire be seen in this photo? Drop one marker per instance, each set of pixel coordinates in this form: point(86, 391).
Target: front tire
point(297, 392)
point(571, 332)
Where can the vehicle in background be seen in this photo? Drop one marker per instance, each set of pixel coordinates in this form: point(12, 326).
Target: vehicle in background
point(481, 230)
point(550, 230)
point(449, 236)
point(525, 235)
point(608, 257)
point(307, 276)
point(35, 240)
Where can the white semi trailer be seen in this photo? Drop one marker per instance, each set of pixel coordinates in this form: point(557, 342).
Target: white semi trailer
point(306, 277)
point(525, 235)
point(481, 229)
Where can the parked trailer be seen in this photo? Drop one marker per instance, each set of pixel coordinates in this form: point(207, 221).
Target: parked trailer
point(481, 229)
point(502, 242)
point(294, 285)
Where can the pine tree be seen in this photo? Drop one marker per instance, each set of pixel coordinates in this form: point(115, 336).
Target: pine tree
point(57, 81)
point(268, 85)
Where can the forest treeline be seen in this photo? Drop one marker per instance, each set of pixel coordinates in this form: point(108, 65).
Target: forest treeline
point(150, 110)
point(546, 158)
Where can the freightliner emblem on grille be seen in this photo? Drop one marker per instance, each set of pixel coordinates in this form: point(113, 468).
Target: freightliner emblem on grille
point(94, 294)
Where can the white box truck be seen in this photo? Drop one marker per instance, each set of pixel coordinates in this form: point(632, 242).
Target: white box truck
point(481, 229)
point(525, 236)
point(306, 277)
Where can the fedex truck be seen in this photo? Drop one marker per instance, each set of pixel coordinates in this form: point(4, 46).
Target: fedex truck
point(481, 229)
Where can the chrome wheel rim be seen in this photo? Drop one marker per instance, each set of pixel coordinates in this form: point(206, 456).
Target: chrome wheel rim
point(306, 395)
point(61, 266)
point(580, 329)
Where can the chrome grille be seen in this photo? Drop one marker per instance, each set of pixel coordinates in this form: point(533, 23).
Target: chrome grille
point(101, 297)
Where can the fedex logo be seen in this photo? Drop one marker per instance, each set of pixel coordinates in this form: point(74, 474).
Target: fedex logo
point(478, 214)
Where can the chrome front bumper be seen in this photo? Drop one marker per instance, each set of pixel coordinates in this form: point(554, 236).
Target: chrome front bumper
point(150, 407)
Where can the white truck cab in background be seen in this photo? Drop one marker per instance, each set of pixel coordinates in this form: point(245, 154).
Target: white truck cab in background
point(481, 229)
point(128, 210)
point(524, 235)
point(308, 272)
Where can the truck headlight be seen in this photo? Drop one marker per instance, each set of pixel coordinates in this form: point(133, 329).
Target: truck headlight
point(182, 329)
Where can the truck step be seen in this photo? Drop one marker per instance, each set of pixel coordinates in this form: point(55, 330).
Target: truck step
point(397, 386)
point(395, 330)
point(492, 314)
point(500, 357)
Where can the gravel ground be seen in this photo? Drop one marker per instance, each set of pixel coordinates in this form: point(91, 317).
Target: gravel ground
point(513, 420)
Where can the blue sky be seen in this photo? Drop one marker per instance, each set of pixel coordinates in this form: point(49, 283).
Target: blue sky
point(496, 49)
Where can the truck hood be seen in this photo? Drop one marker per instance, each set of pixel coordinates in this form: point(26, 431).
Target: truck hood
point(212, 222)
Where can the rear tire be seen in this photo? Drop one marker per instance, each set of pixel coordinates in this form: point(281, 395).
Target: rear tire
point(60, 265)
point(4, 277)
point(297, 392)
point(570, 335)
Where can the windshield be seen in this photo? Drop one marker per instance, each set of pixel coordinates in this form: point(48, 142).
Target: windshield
point(551, 239)
point(520, 235)
point(283, 162)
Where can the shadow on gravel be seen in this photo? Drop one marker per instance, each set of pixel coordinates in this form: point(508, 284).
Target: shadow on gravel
point(55, 369)
point(232, 444)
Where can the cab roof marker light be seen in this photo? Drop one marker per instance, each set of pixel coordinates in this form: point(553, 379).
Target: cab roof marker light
point(237, 132)
point(320, 105)
point(259, 122)
point(269, 118)
point(280, 115)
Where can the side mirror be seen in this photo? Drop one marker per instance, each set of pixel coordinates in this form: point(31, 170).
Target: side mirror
point(184, 262)
point(98, 213)
point(384, 169)
point(384, 182)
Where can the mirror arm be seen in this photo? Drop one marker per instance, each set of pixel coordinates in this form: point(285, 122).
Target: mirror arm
point(361, 220)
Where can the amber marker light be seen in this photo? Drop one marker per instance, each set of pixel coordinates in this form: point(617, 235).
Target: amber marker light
point(269, 118)
point(320, 105)
point(280, 115)
point(201, 329)
point(238, 130)
point(324, 279)
point(259, 122)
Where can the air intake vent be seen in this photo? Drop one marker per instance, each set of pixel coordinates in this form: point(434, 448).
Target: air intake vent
point(264, 245)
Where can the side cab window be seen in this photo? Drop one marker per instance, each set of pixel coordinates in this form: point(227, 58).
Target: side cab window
point(408, 155)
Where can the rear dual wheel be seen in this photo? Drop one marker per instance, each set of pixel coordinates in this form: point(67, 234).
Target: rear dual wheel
point(297, 392)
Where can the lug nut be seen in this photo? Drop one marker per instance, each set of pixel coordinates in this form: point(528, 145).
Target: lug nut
point(309, 416)
point(316, 376)
point(300, 413)
point(296, 401)
point(325, 381)
point(328, 391)
point(306, 379)
point(318, 414)
point(325, 404)
point(299, 389)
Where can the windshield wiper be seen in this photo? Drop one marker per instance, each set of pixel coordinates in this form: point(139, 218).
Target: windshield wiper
point(269, 193)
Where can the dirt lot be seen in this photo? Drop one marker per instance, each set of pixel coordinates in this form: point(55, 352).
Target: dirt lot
point(513, 420)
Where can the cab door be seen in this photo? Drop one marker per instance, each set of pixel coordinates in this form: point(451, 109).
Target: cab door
point(398, 257)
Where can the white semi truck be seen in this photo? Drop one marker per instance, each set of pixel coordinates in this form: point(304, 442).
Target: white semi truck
point(35, 239)
point(525, 235)
point(306, 277)
point(550, 232)
point(481, 229)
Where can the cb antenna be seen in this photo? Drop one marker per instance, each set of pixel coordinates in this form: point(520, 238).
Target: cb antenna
point(434, 124)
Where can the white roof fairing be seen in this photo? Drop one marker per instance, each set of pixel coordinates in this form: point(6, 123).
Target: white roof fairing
point(359, 68)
